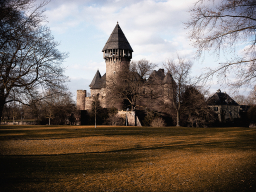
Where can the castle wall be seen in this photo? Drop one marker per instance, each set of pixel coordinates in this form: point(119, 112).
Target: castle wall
point(130, 115)
point(152, 97)
point(101, 93)
point(168, 95)
point(88, 103)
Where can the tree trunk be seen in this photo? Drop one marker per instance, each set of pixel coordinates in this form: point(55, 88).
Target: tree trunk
point(2, 102)
point(178, 114)
point(178, 118)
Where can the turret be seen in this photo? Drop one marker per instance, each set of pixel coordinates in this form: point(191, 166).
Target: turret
point(80, 100)
point(117, 52)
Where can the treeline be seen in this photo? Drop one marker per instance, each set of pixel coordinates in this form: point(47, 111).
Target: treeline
point(52, 108)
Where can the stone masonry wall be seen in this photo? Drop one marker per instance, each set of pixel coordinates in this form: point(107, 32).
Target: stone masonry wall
point(80, 100)
point(130, 117)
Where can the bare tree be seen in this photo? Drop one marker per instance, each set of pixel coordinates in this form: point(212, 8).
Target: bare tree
point(195, 109)
point(30, 60)
point(127, 85)
point(179, 70)
point(95, 108)
point(98, 115)
point(143, 67)
point(127, 88)
point(241, 99)
point(57, 107)
point(251, 99)
point(246, 100)
point(225, 25)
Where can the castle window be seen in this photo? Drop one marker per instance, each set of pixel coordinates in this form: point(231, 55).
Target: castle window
point(215, 108)
point(144, 91)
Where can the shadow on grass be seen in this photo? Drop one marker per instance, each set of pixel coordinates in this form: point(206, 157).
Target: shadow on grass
point(40, 168)
point(24, 170)
point(18, 171)
point(19, 132)
point(40, 165)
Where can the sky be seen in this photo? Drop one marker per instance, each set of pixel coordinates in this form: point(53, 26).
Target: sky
point(154, 28)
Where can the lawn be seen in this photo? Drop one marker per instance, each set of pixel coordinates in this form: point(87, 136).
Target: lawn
point(84, 158)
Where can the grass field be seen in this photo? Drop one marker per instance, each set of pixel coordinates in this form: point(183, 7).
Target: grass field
point(82, 158)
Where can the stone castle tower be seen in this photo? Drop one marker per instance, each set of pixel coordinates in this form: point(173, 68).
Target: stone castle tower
point(117, 53)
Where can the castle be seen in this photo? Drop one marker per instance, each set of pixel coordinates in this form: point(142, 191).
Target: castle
point(117, 53)
point(157, 92)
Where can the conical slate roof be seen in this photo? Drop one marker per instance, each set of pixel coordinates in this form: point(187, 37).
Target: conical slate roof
point(117, 40)
point(220, 98)
point(98, 82)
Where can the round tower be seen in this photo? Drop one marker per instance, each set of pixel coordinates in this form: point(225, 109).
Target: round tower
point(117, 53)
point(80, 100)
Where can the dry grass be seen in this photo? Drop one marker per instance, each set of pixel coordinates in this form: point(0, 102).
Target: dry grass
point(79, 158)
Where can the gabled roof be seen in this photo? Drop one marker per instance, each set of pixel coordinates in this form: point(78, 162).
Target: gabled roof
point(220, 98)
point(168, 79)
point(156, 76)
point(117, 40)
point(98, 82)
point(103, 81)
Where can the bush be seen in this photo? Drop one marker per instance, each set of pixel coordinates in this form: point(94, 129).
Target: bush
point(150, 116)
point(158, 122)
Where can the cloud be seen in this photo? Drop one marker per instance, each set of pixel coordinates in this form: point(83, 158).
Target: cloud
point(154, 28)
point(144, 22)
point(145, 15)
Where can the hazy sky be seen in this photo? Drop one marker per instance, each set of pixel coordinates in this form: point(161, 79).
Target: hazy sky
point(154, 28)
